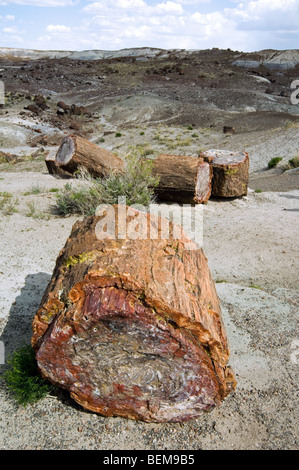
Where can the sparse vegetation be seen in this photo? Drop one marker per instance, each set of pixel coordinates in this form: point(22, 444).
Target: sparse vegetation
point(135, 184)
point(294, 162)
point(173, 143)
point(274, 161)
point(5, 194)
point(8, 203)
point(34, 212)
point(23, 378)
point(35, 190)
point(144, 149)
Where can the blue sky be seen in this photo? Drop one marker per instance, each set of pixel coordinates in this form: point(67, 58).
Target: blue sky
point(116, 24)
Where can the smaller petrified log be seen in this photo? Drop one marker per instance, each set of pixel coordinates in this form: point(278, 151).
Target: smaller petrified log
point(229, 130)
point(75, 153)
point(65, 107)
point(33, 108)
point(41, 102)
point(183, 179)
point(230, 172)
point(78, 110)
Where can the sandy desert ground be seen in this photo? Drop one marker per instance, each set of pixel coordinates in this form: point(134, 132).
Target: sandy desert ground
point(251, 243)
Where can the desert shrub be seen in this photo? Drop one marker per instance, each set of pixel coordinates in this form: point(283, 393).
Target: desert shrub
point(34, 212)
point(8, 203)
point(23, 379)
point(4, 198)
point(273, 162)
point(82, 200)
point(136, 184)
point(294, 162)
point(36, 189)
point(3, 157)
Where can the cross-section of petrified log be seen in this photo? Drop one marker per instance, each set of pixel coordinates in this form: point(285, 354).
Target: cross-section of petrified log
point(183, 179)
point(131, 326)
point(53, 169)
point(230, 172)
point(75, 153)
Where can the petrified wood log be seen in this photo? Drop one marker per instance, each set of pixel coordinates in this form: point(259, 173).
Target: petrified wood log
point(229, 130)
point(53, 169)
point(230, 172)
point(75, 153)
point(132, 326)
point(183, 179)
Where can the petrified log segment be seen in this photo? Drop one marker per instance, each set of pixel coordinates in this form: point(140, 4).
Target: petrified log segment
point(203, 188)
point(75, 153)
point(53, 169)
point(229, 130)
point(230, 172)
point(133, 327)
point(183, 179)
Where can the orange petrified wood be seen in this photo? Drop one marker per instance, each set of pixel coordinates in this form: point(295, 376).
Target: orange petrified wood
point(183, 179)
point(230, 172)
point(132, 327)
point(75, 152)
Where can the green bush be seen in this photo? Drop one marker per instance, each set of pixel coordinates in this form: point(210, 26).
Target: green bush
point(136, 184)
point(294, 162)
point(23, 379)
point(273, 162)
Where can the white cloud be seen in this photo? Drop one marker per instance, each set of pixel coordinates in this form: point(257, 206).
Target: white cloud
point(12, 30)
point(59, 28)
point(126, 4)
point(170, 7)
point(7, 18)
point(265, 14)
point(39, 3)
point(114, 6)
point(115, 24)
point(165, 25)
